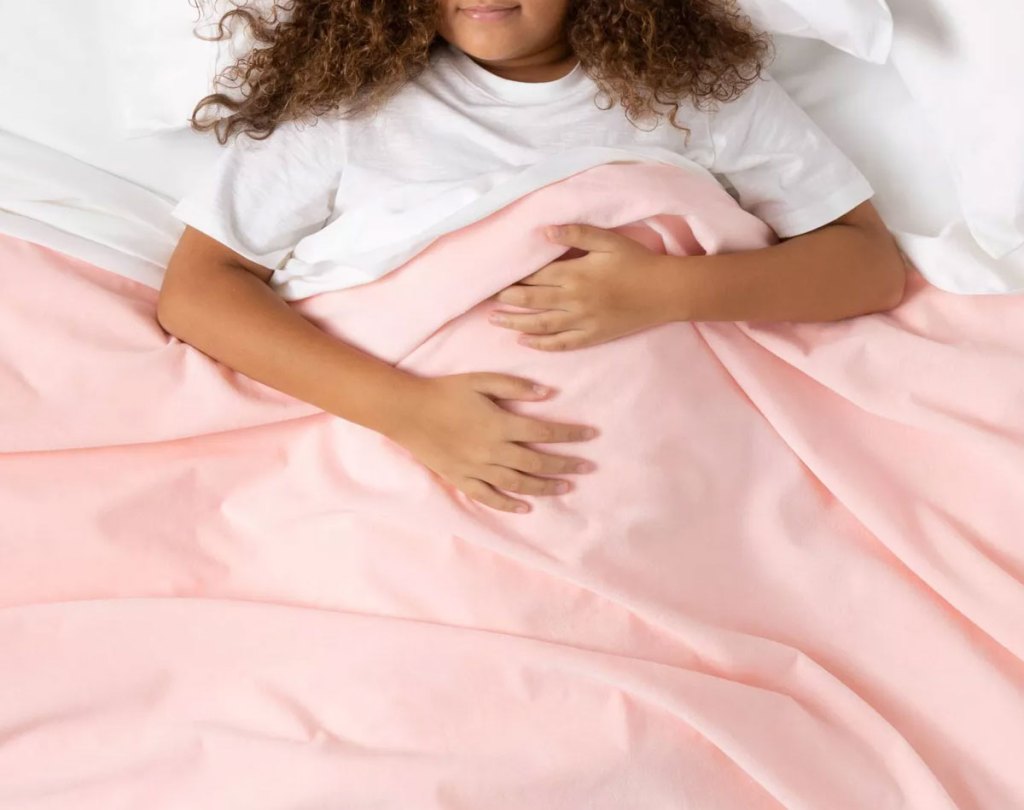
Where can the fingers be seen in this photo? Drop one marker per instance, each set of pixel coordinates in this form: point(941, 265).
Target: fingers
point(559, 342)
point(534, 462)
point(585, 237)
point(544, 323)
point(503, 386)
point(525, 429)
point(514, 481)
point(487, 495)
point(511, 467)
point(534, 297)
point(497, 479)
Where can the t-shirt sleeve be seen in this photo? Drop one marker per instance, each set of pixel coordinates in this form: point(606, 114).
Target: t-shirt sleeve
point(262, 197)
point(784, 169)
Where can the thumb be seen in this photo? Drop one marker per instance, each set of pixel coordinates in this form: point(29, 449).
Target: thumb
point(584, 237)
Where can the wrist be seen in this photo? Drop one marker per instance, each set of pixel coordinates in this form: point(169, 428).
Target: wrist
point(379, 396)
point(675, 292)
point(399, 398)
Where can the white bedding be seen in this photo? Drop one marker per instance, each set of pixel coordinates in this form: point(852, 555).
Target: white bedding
point(960, 60)
point(70, 179)
point(868, 111)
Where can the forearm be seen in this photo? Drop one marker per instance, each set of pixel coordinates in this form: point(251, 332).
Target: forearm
point(235, 318)
point(840, 271)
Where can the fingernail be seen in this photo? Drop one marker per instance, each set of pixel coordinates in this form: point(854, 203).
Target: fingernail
point(589, 433)
point(584, 466)
point(541, 389)
point(561, 486)
point(522, 509)
point(555, 231)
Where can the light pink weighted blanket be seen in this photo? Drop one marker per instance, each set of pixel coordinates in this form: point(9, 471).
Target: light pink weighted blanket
point(796, 579)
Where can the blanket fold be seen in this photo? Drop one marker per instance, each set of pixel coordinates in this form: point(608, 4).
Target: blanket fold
point(796, 579)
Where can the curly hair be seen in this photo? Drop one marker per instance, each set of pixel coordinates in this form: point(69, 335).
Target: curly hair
point(313, 57)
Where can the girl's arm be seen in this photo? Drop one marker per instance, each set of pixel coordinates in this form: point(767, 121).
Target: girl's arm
point(848, 268)
point(218, 301)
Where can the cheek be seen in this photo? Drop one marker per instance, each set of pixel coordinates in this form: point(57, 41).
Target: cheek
point(445, 11)
point(548, 15)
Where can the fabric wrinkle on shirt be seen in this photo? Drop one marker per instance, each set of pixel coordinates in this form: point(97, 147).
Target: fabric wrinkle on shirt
point(341, 202)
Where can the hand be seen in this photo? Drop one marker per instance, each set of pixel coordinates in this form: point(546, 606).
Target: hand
point(457, 429)
point(613, 290)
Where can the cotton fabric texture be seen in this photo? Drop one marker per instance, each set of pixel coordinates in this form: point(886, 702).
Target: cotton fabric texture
point(794, 580)
point(335, 203)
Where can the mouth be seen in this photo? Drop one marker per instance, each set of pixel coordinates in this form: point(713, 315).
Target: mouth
point(489, 12)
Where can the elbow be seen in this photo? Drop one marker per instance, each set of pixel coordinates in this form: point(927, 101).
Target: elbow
point(169, 311)
point(889, 269)
point(894, 287)
point(880, 256)
point(165, 312)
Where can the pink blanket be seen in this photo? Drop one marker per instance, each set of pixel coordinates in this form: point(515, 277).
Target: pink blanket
point(796, 579)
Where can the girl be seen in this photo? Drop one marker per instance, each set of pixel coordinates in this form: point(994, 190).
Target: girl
point(366, 122)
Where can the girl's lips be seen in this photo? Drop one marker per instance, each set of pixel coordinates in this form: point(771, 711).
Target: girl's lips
point(486, 13)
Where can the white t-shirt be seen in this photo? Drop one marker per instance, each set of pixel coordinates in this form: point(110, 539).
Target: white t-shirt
point(338, 202)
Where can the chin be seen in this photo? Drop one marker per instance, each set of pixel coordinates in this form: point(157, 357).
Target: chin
point(487, 50)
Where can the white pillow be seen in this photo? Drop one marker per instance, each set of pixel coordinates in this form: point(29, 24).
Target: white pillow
point(166, 70)
point(960, 60)
point(863, 28)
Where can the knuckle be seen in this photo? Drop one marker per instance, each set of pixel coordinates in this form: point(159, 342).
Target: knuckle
point(536, 486)
point(489, 453)
point(479, 454)
point(506, 480)
point(481, 493)
point(546, 433)
point(533, 464)
point(471, 487)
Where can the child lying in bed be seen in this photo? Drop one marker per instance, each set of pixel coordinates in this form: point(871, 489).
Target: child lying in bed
point(363, 127)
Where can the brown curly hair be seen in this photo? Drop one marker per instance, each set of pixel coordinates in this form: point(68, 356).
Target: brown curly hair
point(313, 57)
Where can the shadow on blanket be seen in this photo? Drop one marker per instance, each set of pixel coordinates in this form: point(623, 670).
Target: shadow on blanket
point(796, 579)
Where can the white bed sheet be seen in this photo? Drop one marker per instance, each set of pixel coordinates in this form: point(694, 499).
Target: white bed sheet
point(869, 112)
point(70, 180)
